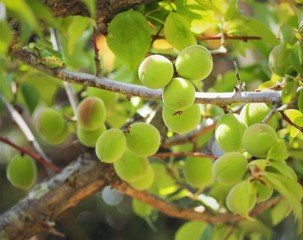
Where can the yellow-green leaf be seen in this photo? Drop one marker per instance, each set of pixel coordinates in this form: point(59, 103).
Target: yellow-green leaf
point(6, 37)
point(177, 31)
point(129, 37)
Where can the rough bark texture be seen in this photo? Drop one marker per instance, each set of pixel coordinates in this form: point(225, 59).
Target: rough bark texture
point(45, 204)
point(50, 199)
point(106, 9)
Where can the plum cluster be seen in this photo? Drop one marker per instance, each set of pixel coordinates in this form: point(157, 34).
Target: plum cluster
point(250, 150)
point(194, 63)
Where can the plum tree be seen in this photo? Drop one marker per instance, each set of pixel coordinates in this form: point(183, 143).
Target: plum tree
point(179, 94)
point(194, 63)
point(91, 113)
point(143, 139)
point(155, 71)
point(101, 65)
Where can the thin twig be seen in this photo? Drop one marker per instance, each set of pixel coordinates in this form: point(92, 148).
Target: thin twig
point(240, 86)
point(187, 137)
point(183, 154)
point(227, 36)
point(271, 113)
point(34, 155)
point(287, 119)
point(26, 131)
point(55, 40)
point(96, 57)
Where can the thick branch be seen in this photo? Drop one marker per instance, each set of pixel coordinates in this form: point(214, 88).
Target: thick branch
point(78, 181)
point(85, 79)
point(106, 9)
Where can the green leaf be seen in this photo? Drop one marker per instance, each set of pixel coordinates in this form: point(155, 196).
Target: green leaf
point(255, 226)
point(91, 5)
point(208, 5)
point(289, 91)
point(75, 30)
point(299, 121)
point(27, 15)
point(177, 31)
point(290, 190)
point(286, 34)
point(278, 151)
point(31, 96)
point(6, 37)
point(282, 168)
point(129, 37)
point(300, 101)
point(207, 233)
point(279, 212)
point(292, 114)
point(191, 230)
point(267, 84)
point(296, 57)
point(262, 31)
point(41, 11)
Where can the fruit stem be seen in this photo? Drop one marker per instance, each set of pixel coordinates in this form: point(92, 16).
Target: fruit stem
point(35, 156)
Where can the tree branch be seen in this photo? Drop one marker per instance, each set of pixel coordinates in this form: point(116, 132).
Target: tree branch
point(81, 179)
point(106, 9)
point(34, 155)
point(221, 99)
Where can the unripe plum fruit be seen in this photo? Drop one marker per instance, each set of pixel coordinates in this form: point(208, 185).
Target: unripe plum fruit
point(51, 124)
point(155, 71)
point(91, 113)
point(141, 209)
point(163, 181)
point(179, 94)
point(110, 145)
point(22, 172)
point(229, 132)
point(255, 112)
point(194, 63)
point(230, 168)
point(109, 98)
point(181, 122)
point(60, 138)
point(258, 138)
point(143, 139)
point(145, 181)
point(198, 172)
point(130, 167)
point(89, 138)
